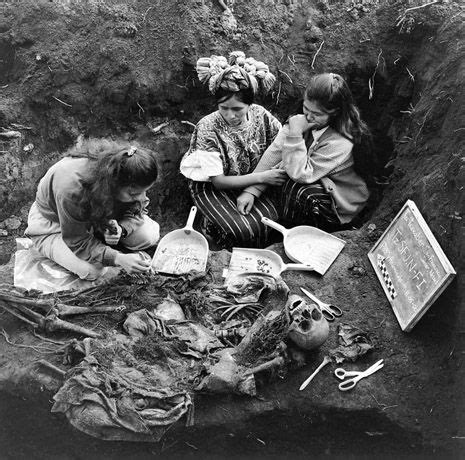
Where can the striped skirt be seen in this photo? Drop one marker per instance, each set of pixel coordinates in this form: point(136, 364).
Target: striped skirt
point(224, 223)
point(307, 204)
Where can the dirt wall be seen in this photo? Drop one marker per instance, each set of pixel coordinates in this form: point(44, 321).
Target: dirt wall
point(114, 68)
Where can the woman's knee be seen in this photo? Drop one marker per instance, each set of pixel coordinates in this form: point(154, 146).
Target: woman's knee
point(54, 248)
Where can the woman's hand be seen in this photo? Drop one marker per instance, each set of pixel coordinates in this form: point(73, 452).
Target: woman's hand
point(133, 263)
point(94, 273)
point(112, 233)
point(245, 202)
point(273, 176)
point(298, 124)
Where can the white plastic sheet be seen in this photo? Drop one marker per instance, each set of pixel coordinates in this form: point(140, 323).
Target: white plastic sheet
point(34, 271)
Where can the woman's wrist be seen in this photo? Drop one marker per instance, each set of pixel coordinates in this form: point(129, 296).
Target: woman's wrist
point(118, 259)
point(259, 177)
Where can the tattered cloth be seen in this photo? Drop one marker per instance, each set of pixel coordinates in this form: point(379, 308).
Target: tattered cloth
point(114, 395)
point(133, 385)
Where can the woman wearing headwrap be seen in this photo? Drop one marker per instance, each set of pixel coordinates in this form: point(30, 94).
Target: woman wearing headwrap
point(226, 147)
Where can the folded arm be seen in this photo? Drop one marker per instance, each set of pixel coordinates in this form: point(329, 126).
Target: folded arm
point(309, 166)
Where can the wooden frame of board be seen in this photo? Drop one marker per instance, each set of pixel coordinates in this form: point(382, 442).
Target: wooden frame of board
point(410, 265)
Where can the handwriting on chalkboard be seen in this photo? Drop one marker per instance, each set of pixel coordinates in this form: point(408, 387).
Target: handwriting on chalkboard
point(410, 265)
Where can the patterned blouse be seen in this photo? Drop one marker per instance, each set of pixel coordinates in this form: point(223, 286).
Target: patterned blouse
point(217, 148)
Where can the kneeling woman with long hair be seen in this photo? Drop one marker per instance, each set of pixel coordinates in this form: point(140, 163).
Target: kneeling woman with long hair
point(92, 199)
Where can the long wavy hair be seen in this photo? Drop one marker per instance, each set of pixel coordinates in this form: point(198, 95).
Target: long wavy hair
point(113, 165)
point(333, 95)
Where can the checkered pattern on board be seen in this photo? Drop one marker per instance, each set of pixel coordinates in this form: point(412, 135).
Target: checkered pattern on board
point(386, 277)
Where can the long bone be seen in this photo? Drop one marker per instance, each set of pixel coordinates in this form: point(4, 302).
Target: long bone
point(48, 323)
point(59, 308)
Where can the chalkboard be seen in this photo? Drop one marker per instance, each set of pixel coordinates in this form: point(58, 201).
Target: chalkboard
point(410, 265)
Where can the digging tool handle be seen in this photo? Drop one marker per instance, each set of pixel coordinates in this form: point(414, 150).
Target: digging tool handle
point(303, 267)
point(275, 225)
point(190, 220)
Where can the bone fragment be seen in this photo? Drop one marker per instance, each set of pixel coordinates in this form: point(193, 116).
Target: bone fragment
point(51, 366)
point(326, 360)
point(54, 324)
point(276, 362)
point(60, 308)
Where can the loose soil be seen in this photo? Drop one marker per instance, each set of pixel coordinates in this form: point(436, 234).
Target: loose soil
point(118, 69)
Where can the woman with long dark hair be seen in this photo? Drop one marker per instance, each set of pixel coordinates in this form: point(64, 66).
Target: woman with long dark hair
point(92, 200)
point(226, 147)
point(316, 149)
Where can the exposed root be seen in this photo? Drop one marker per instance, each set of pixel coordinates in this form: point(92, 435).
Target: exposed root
point(62, 102)
point(316, 54)
point(22, 345)
point(371, 80)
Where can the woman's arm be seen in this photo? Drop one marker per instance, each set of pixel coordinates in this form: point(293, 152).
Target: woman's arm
point(269, 160)
point(78, 236)
point(310, 166)
point(270, 177)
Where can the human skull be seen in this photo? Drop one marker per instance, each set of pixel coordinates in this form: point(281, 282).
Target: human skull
point(308, 327)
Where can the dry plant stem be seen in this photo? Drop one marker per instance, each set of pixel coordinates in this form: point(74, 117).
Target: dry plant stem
point(420, 6)
point(61, 102)
point(279, 92)
point(18, 126)
point(410, 74)
point(22, 345)
point(316, 54)
point(46, 339)
point(421, 126)
point(403, 16)
point(145, 14)
point(371, 80)
point(289, 78)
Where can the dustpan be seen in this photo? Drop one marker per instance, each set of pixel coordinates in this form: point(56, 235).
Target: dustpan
point(309, 245)
point(182, 251)
point(260, 261)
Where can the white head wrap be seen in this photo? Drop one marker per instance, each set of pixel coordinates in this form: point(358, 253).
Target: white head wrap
point(237, 74)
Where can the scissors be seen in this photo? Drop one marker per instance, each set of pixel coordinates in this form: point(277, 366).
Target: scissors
point(348, 384)
point(330, 312)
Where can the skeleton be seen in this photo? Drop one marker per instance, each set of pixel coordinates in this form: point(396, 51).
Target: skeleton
point(308, 327)
point(19, 306)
